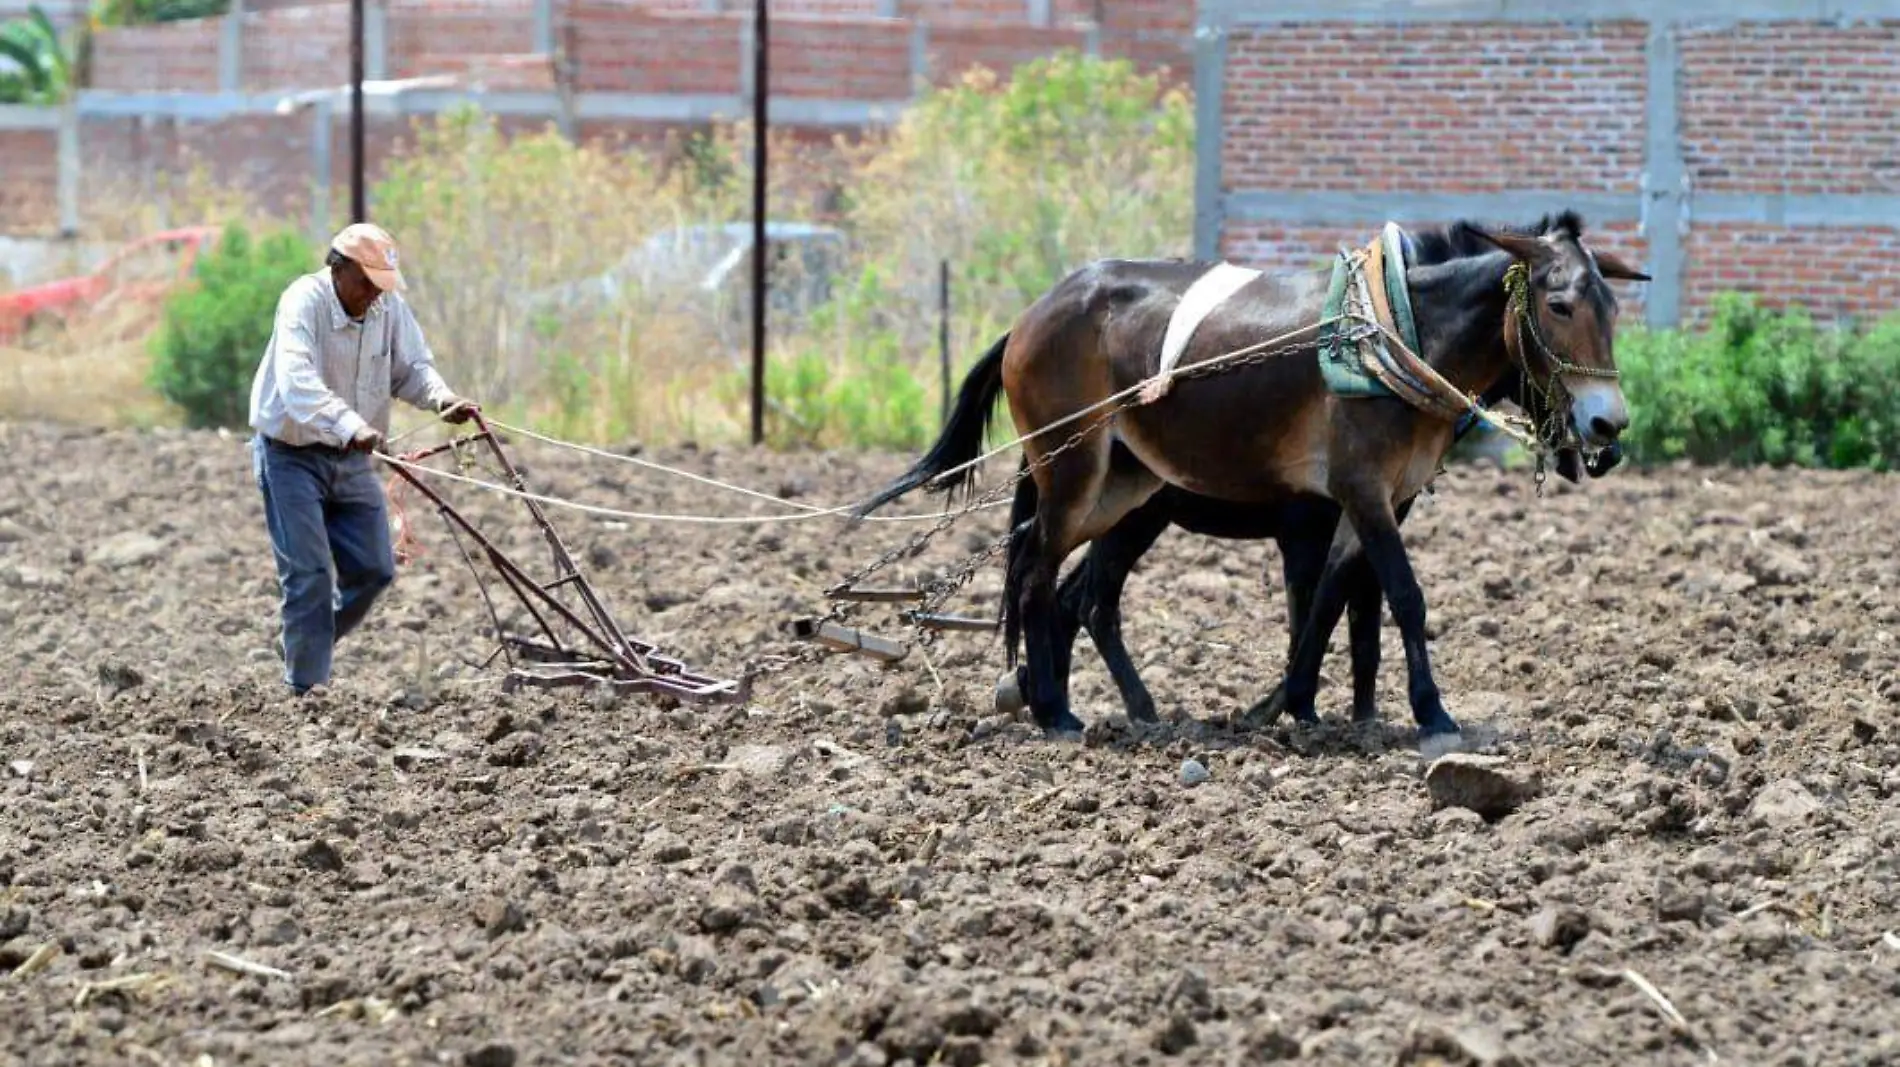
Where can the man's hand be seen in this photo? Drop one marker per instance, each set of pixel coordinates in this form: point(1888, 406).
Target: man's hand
point(366, 440)
point(455, 409)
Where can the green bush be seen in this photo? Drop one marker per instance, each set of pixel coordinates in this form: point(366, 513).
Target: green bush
point(41, 66)
point(1760, 386)
point(145, 12)
point(216, 329)
point(1014, 183)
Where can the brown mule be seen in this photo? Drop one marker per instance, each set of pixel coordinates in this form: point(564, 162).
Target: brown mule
point(1271, 430)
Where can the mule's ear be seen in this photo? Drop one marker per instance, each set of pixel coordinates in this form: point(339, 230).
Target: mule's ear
point(1528, 249)
point(1612, 267)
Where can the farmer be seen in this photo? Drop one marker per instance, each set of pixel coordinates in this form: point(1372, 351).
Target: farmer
point(342, 345)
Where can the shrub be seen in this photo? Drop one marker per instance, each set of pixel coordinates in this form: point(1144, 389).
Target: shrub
point(1760, 386)
point(215, 330)
point(1016, 184)
point(41, 66)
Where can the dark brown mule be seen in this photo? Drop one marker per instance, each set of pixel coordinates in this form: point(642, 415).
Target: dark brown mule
point(1090, 595)
point(1303, 527)
point(1271, 430)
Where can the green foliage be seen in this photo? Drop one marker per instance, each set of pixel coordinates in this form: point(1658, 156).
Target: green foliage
point(144, 12)
point(1759, 386)
point(1015, 184)
point(844, 382)
point(216, 329)
point(41, 67)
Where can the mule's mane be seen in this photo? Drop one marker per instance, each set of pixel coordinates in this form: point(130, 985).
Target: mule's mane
point(1460, 240)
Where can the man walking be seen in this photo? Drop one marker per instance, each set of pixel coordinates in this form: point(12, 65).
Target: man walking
point(343, 344)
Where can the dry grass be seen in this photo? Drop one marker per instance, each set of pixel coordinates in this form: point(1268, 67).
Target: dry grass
point(91, 372)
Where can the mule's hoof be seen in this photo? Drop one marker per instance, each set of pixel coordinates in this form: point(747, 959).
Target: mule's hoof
point(1265, 711)
point(1432, 746)
point(1143, 711)
point(1066, 727)
point(1009, 695)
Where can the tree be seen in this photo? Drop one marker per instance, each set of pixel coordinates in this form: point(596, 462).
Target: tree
point(41, 69)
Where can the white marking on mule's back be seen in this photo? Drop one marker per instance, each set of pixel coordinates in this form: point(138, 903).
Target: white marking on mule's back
point(1208, 292)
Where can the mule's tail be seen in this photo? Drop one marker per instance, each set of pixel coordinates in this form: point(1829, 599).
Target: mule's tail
point(962, 438)
point(1022, 522)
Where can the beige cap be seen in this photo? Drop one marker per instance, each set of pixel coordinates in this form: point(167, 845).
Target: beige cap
point(374, 250)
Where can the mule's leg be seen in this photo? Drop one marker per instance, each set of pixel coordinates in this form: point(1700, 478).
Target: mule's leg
point(1302, 562)
point(1364, 613)
point(1369, 509)
point(1316, 629)
point(1088, 491)
point(1097, 593)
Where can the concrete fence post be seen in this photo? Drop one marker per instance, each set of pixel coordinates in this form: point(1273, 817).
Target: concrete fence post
point(544, 27)
point(321, 116)
point(1210, 80)
point(231, 49)
point(1662, 212)
point(919, 56)
point(375, 41)
point(69, 166)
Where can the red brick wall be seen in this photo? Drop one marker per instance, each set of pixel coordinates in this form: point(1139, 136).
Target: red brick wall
point(441, 36)
point(617, 50)
point(966, 12)
point(297, 47)
point(862, 60)
point(31, 192)
point(1792, 108)
point(1833, 271)
point(955, 49)
point(1445, 107)
point(1786, 108)
point(175, 55)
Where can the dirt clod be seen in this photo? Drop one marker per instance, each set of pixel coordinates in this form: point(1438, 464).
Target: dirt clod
point(1488, 785)
point(631, 882)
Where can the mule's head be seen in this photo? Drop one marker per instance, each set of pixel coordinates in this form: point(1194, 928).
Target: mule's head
point(1561, 323)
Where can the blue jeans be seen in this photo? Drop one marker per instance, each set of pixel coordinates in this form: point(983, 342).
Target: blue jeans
point(326, 513)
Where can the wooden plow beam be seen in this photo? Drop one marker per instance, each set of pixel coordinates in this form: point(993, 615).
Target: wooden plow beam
point(578, 640)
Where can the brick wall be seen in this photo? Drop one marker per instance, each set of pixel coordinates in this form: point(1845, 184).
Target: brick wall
point(1836, 272)
point(955, 49)
point(175, 55)
point(615, 49)
point(446, 36)
point(1449, 108)
point(31, 191)
point(1322, 114)
point(862, 60)
point(296, 47)
point(1792, 108)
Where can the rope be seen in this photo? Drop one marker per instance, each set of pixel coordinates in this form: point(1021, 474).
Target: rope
point(661, 468)
point(644, 516)
point(1146, 383)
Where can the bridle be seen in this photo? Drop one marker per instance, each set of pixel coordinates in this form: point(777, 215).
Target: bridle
point(1520, 313)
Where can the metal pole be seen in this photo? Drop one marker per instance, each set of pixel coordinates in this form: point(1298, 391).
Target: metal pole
point(359, 207)
point(943, 331)
point(759, 250)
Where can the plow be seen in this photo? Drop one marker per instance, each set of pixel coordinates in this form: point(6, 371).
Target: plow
point(575, 639)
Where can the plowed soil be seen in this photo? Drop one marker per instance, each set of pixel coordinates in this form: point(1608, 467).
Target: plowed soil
point(1690, 677)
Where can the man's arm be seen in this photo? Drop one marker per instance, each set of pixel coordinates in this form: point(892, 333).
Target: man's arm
point(412, 374)
point(308, 400)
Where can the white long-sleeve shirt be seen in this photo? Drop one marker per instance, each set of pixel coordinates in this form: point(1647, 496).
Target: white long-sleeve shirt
point(326, 376)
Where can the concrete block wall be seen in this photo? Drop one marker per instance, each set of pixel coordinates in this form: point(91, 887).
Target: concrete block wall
point(1727, 144)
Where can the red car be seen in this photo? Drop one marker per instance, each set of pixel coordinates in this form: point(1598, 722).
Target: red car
point(142, 270)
